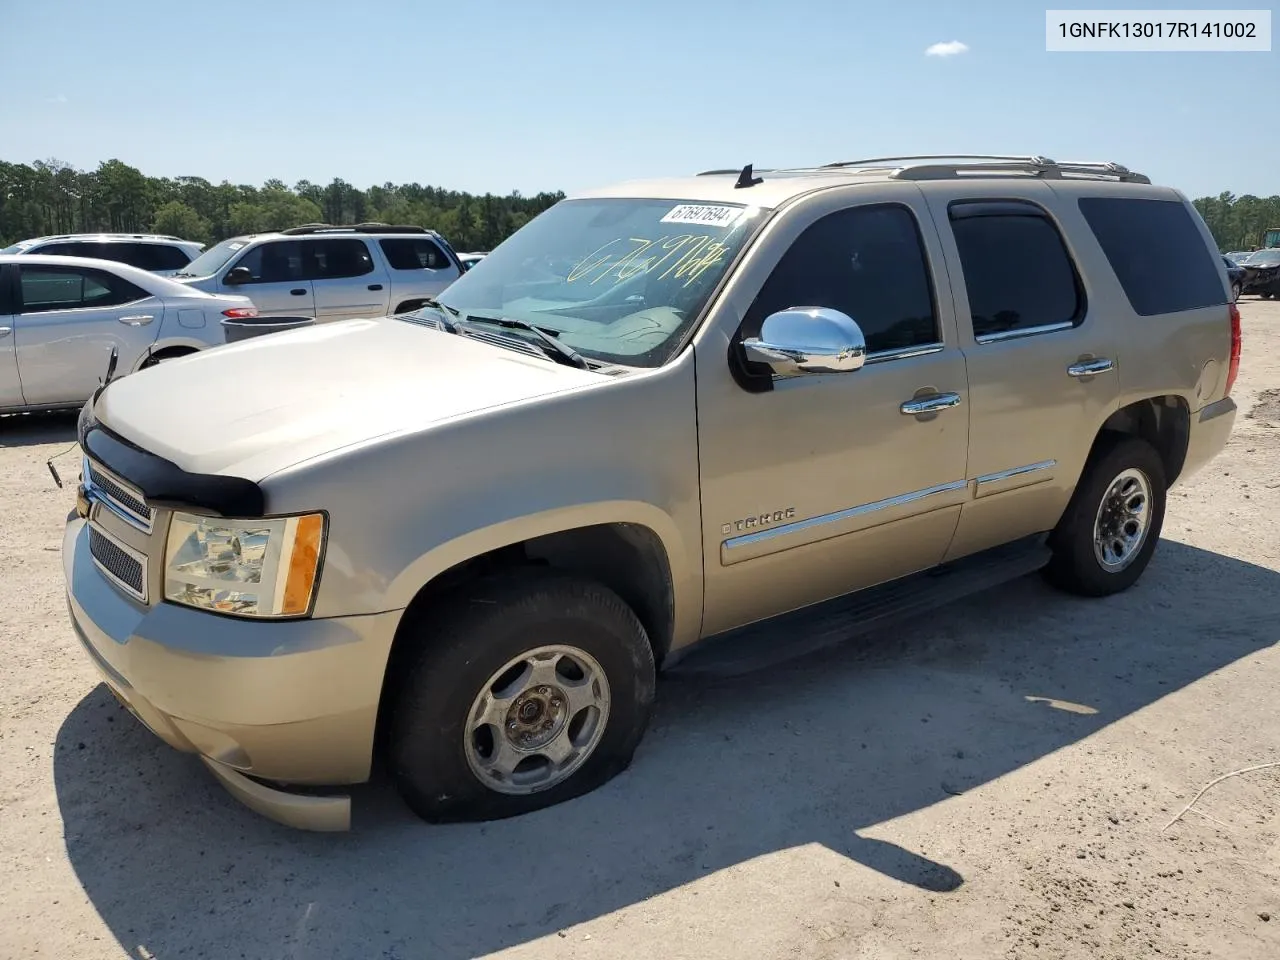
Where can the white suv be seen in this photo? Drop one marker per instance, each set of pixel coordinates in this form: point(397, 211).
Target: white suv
point(329, 273)
point(155, 253)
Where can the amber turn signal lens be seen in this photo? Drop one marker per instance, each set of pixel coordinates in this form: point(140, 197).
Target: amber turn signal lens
point(304, 564)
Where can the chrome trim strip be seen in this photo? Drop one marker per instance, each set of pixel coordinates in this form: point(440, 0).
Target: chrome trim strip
point(99, 494)
point(906, 353)
point(787, 528)
point(1015, 471)
point(1026, 332)
point(141, 558)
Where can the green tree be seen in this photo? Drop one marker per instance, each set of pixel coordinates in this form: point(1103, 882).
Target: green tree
point(177, 219)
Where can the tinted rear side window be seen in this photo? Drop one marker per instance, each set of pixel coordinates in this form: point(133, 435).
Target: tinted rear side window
point(417, 253)
point(1017, 271)
point(1157, 252)
point(154, 256)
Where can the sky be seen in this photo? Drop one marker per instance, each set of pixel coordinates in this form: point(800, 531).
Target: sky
point(504, 95)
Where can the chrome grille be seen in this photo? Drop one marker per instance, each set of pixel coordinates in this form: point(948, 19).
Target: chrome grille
point(119, 498)
point(122, 565)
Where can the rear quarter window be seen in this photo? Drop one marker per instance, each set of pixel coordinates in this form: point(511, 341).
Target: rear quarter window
point(1157, 252)
point(417, 253)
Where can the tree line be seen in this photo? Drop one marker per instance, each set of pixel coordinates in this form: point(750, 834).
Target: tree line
point(51, 197)
point(1238, 223)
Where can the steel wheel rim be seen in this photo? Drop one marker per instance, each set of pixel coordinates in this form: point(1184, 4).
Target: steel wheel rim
point(1123, 521)
point(537, 720)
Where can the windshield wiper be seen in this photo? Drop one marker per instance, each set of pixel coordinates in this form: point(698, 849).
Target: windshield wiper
point(449, 325)
point(558, 348)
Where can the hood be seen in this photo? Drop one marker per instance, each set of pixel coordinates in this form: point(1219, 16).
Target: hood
point(257, 406)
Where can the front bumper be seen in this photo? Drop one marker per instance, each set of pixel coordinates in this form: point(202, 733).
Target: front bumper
point(1260, 282)
point(289, 701)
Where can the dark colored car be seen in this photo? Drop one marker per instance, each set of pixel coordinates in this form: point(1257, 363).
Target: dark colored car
point(1262, 274)
point(1235, 273)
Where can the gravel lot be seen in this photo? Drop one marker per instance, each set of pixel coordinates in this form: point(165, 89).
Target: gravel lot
point(991, 782)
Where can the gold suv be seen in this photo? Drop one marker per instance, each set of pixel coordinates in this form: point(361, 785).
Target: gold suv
point(661, 412)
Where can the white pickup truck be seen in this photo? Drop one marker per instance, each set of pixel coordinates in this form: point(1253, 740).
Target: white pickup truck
point(329, 273)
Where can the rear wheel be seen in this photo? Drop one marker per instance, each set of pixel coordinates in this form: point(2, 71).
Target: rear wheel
point(1235, 291)
point(525, 691)
point(1110, 529)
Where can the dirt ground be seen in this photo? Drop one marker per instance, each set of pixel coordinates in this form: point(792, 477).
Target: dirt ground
point(993, 781)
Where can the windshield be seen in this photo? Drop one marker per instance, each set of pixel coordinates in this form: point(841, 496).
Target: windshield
point(16, 248)
point(619, 280)
point(213, 259)
point(1266, 258)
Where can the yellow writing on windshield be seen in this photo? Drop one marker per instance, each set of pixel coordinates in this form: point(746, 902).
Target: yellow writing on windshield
point(685, 257)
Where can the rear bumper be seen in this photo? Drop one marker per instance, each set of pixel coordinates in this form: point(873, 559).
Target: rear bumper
point(294, 702)
point(1210, 431)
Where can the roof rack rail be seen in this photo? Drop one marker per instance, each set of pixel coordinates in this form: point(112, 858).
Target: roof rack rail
point(946, 166)
point(313, 228)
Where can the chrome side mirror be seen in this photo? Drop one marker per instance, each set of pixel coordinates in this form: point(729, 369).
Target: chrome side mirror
point(803, 340)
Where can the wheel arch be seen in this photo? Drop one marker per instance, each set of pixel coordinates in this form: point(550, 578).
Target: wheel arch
point(635, 556)
point(169, 347)
point(1163, 421)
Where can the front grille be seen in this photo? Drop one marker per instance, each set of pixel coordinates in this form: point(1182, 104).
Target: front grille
point(128, 503)
point(122, 565)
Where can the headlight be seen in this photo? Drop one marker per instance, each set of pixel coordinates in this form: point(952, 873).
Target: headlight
point(253, 568)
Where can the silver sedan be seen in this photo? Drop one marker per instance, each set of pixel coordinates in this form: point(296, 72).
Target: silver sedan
point(60, 317)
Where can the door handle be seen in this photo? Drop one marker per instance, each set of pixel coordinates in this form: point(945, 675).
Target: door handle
point(939, 401)
point(5, 331)
point(1087, 368)
point(298, 292)
point(375, 286)
point(137, 320)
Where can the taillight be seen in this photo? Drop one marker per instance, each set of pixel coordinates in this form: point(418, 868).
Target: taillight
point(1233, 367)
point(241, 313)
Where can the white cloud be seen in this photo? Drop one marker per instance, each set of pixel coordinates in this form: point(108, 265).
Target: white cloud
point(60, 98)
point(948, 49)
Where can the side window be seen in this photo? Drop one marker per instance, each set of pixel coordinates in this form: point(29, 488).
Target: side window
point(1017, 271)
point(69, 288)
point(867, 262)
point(1157, 252)
point(276, 261)
point(414, 253)
point(165, 257)
point(67, 249)
point(337, 258)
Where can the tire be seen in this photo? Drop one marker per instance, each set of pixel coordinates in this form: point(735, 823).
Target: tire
point(1076, 566)
point(436, 753)
point(1235, 292)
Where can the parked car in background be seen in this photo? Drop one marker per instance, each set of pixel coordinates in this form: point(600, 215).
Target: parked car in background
point(469, 260)
point(1235, 274)
point(60, 317)
point(1262, 274)
point(466, 537)
point(155, 253)
point(327, 272)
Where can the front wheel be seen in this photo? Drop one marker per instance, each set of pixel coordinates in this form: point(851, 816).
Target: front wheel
point(1110, 528)
point(525, 691)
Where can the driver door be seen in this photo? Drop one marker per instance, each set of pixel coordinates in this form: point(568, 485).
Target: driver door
point(817, 485)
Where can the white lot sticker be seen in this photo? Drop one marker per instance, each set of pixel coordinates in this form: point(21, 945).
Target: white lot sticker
point(706, 214)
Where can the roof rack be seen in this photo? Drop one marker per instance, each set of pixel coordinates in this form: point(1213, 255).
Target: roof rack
point(312, 228)
point(945, 166)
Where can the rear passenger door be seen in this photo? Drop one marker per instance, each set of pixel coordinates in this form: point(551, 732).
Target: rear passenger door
point(68, 320)
point(278, 284)
point(1040, 351)
point(346, 280)
point(419, 268)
